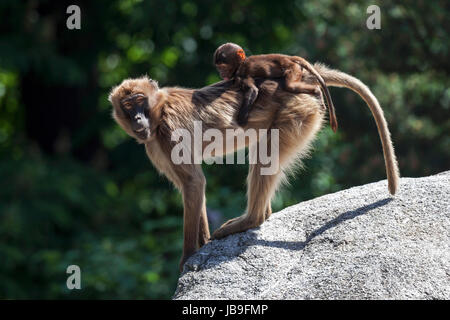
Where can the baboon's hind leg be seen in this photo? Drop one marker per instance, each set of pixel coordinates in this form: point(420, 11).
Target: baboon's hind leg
point(295, 138)
point(259, 195)
point(293, 81)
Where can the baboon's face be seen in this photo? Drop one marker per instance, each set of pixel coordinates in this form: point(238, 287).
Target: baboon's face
point(136, 109)
point(132, 101)
point(227, 59)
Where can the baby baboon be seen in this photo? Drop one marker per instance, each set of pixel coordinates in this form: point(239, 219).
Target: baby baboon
point(231, 62)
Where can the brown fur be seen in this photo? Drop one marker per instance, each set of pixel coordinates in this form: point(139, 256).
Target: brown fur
point(230, 61)
point(298, 118)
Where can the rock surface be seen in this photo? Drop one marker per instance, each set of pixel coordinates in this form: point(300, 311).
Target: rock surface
point(359, 243)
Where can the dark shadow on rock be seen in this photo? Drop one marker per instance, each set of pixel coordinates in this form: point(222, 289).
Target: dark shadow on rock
point(300, 245)
point(250, 239)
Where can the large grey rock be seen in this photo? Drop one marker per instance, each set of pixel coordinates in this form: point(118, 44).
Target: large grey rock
point(359, 243)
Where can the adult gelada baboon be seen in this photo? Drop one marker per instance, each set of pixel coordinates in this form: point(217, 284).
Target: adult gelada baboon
point(151, 114)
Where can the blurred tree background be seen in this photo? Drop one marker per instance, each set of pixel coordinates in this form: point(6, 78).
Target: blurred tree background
point(74, 189)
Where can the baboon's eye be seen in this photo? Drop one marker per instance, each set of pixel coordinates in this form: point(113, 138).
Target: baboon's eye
point(221, 58)
point(127, 106)
point(140, 100)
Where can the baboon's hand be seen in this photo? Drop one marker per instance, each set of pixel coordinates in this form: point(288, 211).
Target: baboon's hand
point(242, 118)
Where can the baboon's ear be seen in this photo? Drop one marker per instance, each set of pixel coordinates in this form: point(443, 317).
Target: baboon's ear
point(241, 54)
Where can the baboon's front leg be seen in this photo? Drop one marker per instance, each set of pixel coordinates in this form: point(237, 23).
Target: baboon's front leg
point(250, 95)
point(203, 230)
point(190, 181)
point(196, 231)
point(268, 211)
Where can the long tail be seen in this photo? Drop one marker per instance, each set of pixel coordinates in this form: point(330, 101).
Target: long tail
point(332, 114)
point(341, 79)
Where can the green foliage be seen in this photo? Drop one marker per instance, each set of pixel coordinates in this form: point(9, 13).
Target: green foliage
point(92, 198)
point(56, 212)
